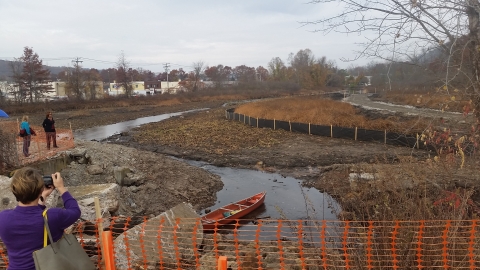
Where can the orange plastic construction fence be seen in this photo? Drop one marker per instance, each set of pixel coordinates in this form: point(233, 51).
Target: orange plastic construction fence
point(160, 243)
point(38, 145)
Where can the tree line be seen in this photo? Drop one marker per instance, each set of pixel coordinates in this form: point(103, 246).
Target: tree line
point(30, 77)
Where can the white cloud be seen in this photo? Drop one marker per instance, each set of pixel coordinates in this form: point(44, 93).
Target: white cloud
point(152, 32)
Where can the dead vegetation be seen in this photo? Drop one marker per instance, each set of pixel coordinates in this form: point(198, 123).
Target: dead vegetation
point(453, 101)
point(209, 131)
point(321, 111)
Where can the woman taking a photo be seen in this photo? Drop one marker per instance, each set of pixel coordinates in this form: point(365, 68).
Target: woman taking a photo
point(21, 228)
point(49, 127)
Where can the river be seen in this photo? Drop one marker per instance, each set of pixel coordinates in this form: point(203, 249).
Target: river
point(286, 197)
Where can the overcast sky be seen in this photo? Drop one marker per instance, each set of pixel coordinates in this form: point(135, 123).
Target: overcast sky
point(154, 32)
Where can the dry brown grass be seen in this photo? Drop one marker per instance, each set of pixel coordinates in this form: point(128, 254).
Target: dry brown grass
point(320, 111)
point(454, 101)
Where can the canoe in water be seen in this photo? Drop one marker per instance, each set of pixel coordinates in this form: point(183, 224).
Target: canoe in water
point(233, 211)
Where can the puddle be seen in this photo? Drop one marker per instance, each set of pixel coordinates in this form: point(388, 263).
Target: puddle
point(284, 194)
point(285, 199)
point(102, 132)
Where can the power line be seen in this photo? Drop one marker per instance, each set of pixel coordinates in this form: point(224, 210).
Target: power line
point(86, 59)
point(77, 61)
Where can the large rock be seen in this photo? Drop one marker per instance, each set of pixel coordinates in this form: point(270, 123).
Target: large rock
point(157, 236)
point(95, 169)
point(7, 199)
point(121, 176)
point(107, 194)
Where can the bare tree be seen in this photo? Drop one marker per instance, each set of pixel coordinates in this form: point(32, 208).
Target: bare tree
point(18, 92)
point(92, 81)
point(124, 76)
point(399, 30)
point(277, 69)
point(198, 68)
point(75, 84)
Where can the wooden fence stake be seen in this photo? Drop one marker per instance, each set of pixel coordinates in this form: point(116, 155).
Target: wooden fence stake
point(355, 133)
point(309, 133)
point(331, 131)
point(418, 146)
point(290, 124)
point(273, 123)
point(98, 215)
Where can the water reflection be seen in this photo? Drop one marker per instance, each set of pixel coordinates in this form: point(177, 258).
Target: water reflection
point(286, 198)
point(102, 132)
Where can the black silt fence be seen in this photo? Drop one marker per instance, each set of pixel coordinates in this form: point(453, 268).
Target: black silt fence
point(359, 134)
point(324, 131)
point(370, 135)
point(282, 125)
point(300, 127)
point(343, 133)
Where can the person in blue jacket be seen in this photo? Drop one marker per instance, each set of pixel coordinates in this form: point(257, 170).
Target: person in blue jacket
point(28, 134)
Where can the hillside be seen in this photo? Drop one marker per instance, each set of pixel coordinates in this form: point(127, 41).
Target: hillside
point(5, 71)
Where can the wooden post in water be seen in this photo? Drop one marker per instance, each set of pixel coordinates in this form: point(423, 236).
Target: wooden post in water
point(309, 133)
point(385, 141)
point(290, 124)
point(257, 122)
point(273, 123)
point(355, 133)
point(331, 131)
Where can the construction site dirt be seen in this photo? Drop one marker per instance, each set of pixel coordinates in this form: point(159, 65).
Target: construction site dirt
point(348, 170)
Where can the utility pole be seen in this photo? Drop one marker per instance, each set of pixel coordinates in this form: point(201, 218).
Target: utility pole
point(77, 81)
point(167, 65)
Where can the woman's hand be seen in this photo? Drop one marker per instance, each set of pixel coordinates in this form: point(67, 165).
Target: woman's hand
point(58, 183)
point(47, 191)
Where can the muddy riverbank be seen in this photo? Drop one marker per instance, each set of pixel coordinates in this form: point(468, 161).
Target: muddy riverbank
point(350, 171)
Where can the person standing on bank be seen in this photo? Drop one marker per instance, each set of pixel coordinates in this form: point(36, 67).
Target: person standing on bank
point(49, 127)
point(28, 135)
point(21, 228)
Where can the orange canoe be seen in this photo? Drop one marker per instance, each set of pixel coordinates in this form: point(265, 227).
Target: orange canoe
point(233, 211)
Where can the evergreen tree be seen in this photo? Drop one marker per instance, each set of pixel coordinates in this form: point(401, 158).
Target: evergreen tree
point(33, 81)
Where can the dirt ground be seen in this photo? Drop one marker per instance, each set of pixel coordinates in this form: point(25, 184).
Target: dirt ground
point(324, 163)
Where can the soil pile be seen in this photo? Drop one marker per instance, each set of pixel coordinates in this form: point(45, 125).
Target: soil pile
point(155, 182)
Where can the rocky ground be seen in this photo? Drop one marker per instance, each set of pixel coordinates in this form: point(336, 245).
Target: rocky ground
point(369, 180)
point(153, 183)
point(325, 163)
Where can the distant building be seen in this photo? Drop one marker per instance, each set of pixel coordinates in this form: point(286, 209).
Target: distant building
point(146, 87)
point(59, 91)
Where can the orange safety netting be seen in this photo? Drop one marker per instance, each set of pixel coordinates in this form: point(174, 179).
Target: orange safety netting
point(38, 145)
point(162, 243)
